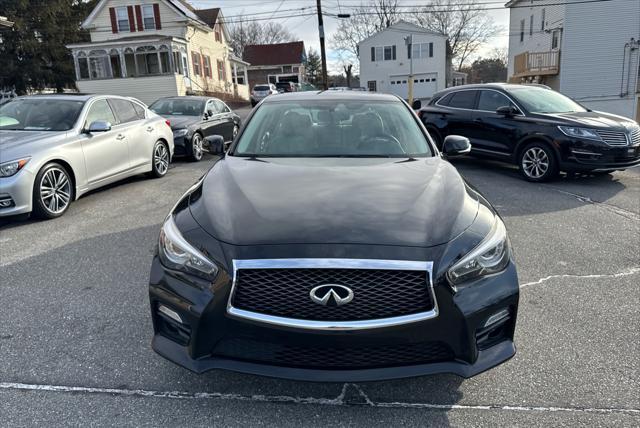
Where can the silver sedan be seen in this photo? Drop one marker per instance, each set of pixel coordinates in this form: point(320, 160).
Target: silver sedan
point(55, 148)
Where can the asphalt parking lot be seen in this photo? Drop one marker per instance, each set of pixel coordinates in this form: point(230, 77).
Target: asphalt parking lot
point(75, 328)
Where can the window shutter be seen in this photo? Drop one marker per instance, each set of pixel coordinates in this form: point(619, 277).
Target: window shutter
point(139, 18)
point(409, 47)
point(393, 53)
point(373, 53)
point(431, 50)
point(202, 65)
point(132, 22)
point(194, 59)
point(156, 15)
point(114, 21)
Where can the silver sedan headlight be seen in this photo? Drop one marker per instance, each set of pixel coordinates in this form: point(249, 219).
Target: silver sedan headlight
point(488, 257)
point(7, 169)
point(176, 253)
point(178, 133)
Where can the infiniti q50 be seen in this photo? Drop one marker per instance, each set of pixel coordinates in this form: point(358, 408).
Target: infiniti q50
point(334, 242)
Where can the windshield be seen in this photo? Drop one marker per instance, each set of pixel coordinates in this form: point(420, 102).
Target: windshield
point(333, 129)
point(178, 107)
point(540, 100)
point(261, 88)
point(45, 114)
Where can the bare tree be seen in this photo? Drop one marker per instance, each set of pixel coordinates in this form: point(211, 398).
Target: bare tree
point(466, 25)
point(348, 73)
point(366, 20)
point(255, 33)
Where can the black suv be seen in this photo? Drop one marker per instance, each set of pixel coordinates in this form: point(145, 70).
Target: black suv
point(538, 129)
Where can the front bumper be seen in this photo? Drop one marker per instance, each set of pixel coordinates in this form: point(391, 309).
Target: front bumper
point(17, 191)
point(180, 145)
point(207, 328)
point(584, 155)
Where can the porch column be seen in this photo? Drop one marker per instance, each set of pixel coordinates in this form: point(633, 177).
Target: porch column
point(246, 78)
point(76, 65)
point(235, 73)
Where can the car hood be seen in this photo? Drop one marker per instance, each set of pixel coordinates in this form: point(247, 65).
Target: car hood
point(421, 202)
point(14, 144)
point(179, 122)
point(595, 119)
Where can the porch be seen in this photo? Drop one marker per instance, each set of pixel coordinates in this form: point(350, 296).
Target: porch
point(529, 64)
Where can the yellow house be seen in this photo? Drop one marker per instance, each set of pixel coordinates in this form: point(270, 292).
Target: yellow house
point(158, 48)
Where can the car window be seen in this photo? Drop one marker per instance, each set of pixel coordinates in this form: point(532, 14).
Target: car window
point(333, 129)
point(221, 107)
point(43, 114)
point(100, 110)
point(211, 106)
point(178, 107)
point(492, 100)
point(444, 101)
point(140, 111)
point(124, 110)
point(463, 99)
point(261, 88)
point(541, 100)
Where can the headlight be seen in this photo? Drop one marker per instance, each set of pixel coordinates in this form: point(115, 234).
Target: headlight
point(8, 169)
point(176, 253)
point(490, 256)
point(180, 132)
point(572, 131)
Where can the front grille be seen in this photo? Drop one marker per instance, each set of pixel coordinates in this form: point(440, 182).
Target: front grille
point(634, 137)
point(613, 138)
point(333, 357)
point(377, 293)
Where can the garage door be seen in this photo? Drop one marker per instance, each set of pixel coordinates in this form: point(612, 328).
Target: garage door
point(424, 85)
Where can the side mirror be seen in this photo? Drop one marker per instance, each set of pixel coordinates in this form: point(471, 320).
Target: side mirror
point(456, 145)
point(210, 112)
point(507, 111)
point(99, 126)
point(417, 105)
point(216, 144)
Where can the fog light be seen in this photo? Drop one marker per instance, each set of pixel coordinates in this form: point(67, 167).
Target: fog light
point(497, 317)
point(170, 313)
point(6, 202)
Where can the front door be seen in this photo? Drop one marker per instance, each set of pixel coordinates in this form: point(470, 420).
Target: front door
point(106, 153)
point(492, 132)
point(140, 137)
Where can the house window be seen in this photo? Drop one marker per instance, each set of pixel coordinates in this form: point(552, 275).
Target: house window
point(286, 69)
point(217, 33)
point(177, 62)
point(83, 66)
point(164, 59)
point(147, 60)
point(521, 30)
point(371, 85)
point(531, 26)
point(422, 50)
point(379, 53)
point(123, 19)
point(116, 66)
point(148, 17)
point(542, 19)
point(196, 63)
point(383, 53)
point(99, 65)
point(207, 65)
point(555, 39)
point(221, 71)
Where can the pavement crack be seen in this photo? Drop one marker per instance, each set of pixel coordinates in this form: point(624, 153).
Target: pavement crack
point(340, 400)
point(631, 215)
point(628, 272)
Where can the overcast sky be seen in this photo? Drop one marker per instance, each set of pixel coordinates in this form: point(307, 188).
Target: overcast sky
point(305, 26)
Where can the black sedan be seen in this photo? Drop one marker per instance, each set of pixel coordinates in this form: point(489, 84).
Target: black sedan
point(195, 118)
point(333, 242)
point(538, 129)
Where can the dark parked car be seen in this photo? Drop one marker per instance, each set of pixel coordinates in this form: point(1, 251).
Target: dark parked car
point(538, 129)
point(286, 87)
point(333, 242)
point(195, 118)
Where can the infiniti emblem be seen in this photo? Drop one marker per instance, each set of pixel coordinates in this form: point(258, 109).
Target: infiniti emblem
point(331, 294)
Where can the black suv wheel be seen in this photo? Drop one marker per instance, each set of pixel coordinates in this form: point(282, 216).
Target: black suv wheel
point(538, 162)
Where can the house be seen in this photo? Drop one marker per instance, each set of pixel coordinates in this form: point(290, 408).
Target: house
point(385, 61)
point(279, 62)
point(149, 50)
point(587, 50)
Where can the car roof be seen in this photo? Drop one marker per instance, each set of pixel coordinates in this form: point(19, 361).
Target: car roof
point(331, 96)
point(75, 97)
point(190, 97)
point(503, 86)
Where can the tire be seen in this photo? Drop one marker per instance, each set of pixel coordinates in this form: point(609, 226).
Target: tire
point(159, 160)
point(537, 162)
point(234, 133)
point(196, 152)
point(52, 191)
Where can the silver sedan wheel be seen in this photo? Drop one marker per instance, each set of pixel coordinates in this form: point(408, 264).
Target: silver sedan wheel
point(535, 162)
point(55, 190)
point(161, 159)
point(196, 147)
point(235, 131)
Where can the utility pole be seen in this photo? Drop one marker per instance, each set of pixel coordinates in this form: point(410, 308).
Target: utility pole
point(323, 54)
point(409, 42)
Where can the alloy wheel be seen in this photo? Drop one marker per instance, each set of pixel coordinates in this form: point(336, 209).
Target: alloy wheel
point(55, 190)
point(161, 159)
point(235, 131)
point(196, 147)
point(535, 162)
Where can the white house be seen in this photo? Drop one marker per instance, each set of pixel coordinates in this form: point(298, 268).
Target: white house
point(385, 61)
point(589, 51)
point(149, 49)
